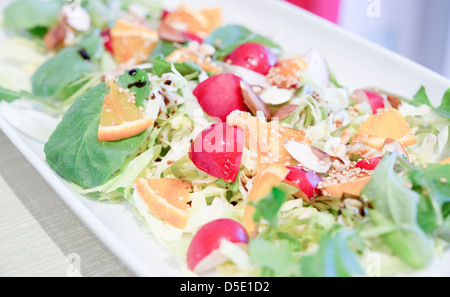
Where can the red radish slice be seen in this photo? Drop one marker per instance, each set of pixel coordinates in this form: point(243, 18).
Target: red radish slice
point(165, 13)
point(193, 37)
point(369, 164)
point(306, 181)
point(107, 41)
point(203, 253)
point(253, 56)
point(218, 151)
point(220, 95)
point(375, 100)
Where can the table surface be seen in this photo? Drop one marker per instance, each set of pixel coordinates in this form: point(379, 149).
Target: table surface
point(39, 235)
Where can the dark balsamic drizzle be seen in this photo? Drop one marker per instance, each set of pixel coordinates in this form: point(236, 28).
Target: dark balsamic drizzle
point(84, 54)
point(138, 84)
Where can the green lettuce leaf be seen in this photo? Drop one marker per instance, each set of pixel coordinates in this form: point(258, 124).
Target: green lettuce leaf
point(269, 207)
point(275, 258)
point(334, 258)
point(227, 38)
point(161, 66)
point(66, 66)
point(73, 150)
point(395, 208)
point(29, 14)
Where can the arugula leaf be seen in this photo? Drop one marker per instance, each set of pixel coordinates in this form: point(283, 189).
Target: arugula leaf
point(421, 97)
point(29, 14)
point(446, 101)
point(269, 206)
point(136, 80)
point(161, 66)
point(66, 66)
point(396, 207)
point(73, 150)
point(227, 38)
point(162, 50)
point(433, 193)
point(9, 95)
point(276, 259)
point(334, 258)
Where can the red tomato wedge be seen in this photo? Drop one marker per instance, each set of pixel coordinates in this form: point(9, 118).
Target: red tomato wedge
point(305, 181)
point(220, 95)
point(253, 56)
point(218, 151)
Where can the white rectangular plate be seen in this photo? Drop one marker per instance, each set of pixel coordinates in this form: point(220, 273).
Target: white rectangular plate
point(355, 62)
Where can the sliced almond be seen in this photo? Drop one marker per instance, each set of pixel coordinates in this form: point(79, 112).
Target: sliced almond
point(76, 17)
point(168, 33)
point(276, 96)
point(253, 101)
point(252, 77)
point(285, 111)
point(394, 101)
point(390, 145)
point(309, 156)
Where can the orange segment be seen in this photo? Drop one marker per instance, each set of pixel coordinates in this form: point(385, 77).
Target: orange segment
point(266, 139)
point(193, 21)
point(166, 198)
point(132, 44)
point(265, 180)
point(120, 117)
point(388, 123)
point(352, 188)
point(285, 74)
point(185, 54)
point(214, 17)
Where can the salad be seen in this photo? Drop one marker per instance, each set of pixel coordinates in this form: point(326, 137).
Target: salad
point(238, 159)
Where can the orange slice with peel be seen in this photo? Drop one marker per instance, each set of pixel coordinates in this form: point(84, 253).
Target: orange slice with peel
point(266, 140)
point(120, 117)
point(352, 187)
point(198, 22)
point(285, 74)
point(387, 123)
point(166, 198)
point(131, 43)
point(265, 180)
point(184, 54)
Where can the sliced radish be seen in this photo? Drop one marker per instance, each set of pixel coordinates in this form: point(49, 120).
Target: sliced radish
point(375, 100)
point(253, 56)
point(369, 164)
point(107, 41)
point(220, 95)
point(218, 151)
point(317, 67)
point(305, 181)
point(204, 250)
point(193, 37)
